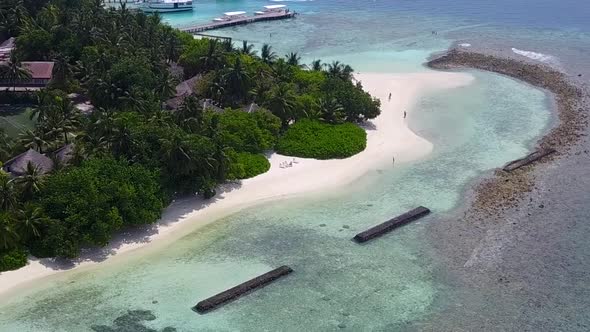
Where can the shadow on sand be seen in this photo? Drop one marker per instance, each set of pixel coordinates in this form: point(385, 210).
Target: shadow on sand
point(176, 211)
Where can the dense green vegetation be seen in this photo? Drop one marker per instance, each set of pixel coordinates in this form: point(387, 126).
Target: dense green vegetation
point(12, 259)
point(246, 165)
point(132, 156)
point(313, 139)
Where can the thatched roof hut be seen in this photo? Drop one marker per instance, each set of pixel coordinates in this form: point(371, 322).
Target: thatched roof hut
point(65, 153)
point(253, 107)
point(183, 90)
point(17, 166)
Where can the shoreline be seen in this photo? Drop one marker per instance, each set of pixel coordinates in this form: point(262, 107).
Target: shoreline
point(388, 136)
point(502, 190)
point(519, 247)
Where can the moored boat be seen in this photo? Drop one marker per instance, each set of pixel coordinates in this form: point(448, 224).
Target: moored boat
point(167, 6)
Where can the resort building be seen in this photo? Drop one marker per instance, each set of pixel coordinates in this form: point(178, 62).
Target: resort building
point(41, 74)
point(17, 166)
point(5, 48)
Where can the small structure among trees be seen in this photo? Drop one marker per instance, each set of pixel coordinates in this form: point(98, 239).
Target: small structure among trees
point(32, 74)
point(17, 166)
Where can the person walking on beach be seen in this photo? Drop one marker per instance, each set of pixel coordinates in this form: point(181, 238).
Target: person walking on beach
point(405, 114)
point(390, 96)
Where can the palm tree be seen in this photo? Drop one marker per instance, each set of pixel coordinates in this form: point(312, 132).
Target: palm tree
point(227, 46)
point(122, 141)
point(61, 71)
point(336, 69)
point(8, 193)
point(259, 94)
point(166, 85)
point(33, 140)
point(317, 65)
point(12, 17)
point(29, 219)
point(282, 103)
point(64, 108)
point(189, 115)
point(43, 107)
point(331, 111)
point(212, 58)
point(8, 234)
point(13, 70)
point(282, 70)
point(221, 159)
point(30, 182)
point(237, 79)
point(267, 55)
point(6, 145)
point(171, 45)
point(293, 59)
point(247, 49)
point(175, 153)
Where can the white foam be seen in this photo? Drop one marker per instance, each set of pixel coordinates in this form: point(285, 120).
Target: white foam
point(465, 45)
point(533, 55)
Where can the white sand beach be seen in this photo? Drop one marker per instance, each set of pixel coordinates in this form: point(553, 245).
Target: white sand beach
point(388, 136)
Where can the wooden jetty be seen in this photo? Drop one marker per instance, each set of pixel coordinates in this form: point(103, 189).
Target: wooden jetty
point(241, 289)
point(516, 164)
point(213, 36)
point(271, 16)
point(392, 224)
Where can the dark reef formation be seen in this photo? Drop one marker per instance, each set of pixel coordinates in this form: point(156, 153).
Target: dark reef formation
point(503, 189)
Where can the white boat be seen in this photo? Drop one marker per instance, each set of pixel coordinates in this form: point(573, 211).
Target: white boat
point(167, 6)
point(230, 16)
point(275, 8)
point(270, 9)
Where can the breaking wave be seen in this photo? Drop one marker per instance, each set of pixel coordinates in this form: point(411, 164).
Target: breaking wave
point(534, 55)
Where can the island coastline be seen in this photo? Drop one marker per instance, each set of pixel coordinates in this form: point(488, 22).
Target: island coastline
point(388, 136)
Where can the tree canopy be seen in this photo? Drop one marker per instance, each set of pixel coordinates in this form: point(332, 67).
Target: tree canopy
point(130, 156)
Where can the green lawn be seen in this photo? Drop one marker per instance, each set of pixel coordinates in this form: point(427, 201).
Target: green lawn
point(14, 119)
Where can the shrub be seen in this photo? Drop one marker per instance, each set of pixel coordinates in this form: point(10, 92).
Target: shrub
point(251, 132)
point(12, 260)
point(94, 200)
point(313, 139)
point(246, 165)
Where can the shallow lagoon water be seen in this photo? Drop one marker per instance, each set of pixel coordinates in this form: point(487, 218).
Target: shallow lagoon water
point(337, 284)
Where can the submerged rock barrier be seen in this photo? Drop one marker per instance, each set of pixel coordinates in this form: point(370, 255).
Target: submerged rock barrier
point(391, 224)
point(518, 163)
point(233, 293)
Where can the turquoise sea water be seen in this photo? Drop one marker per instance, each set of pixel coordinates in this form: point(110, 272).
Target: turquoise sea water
point(337, 284)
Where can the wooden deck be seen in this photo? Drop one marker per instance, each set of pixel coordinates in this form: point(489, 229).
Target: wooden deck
point(238, 21)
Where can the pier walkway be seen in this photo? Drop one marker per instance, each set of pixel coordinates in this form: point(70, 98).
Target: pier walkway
point(239, 21)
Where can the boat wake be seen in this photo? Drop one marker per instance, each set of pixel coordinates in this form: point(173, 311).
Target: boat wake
point(534, 55)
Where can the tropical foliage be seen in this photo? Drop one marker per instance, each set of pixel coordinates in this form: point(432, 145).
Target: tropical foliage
point(246, 165)
point(12, 259)
point(313, 139)
point(131, 156)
